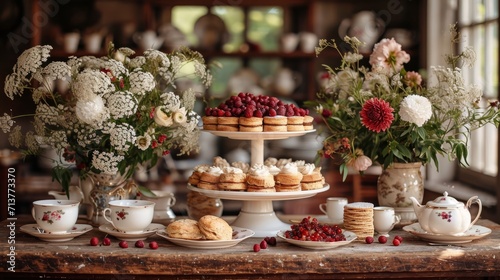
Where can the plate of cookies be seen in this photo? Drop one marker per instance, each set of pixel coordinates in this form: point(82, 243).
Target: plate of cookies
point(209, 232)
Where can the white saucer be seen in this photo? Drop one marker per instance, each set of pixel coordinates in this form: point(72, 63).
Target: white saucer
point(77, 230)
point(239, 234)
point(319, 245)
point(150, 230)
point(475, 232)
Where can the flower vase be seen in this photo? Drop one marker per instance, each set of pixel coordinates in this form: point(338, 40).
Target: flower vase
point(100, 189)
point(397, 184)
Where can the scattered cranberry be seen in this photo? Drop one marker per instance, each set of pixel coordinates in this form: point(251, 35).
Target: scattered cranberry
point(139, 244)
point(94, 241)
point(382, 239)
point(123, 244)
point(263, 244)
point(399, 238)
point(256, 247)
point(272, 241)
point(106, 241)
point(396, 242)
point(153, 245)
point(369, 240)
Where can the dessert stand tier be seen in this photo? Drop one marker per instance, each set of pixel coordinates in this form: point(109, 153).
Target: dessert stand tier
point(257, 212)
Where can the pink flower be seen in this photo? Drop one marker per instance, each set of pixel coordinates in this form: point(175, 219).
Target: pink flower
point(388, 57)
point(376, 115)
point(359, 162)
point(412, 79)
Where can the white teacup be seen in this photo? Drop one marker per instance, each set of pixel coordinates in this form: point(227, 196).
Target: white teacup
point(334, 209)
point(308, 41)
point(384, 219)
point(289, 42)
point(71, 41)
point(130, 216)
point(55, 216)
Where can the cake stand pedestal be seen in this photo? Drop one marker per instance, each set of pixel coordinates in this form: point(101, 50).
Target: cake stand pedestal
point(257, 212)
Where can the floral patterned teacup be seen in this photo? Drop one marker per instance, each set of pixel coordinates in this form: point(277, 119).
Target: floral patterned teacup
point(130, 216)
point(55, 216)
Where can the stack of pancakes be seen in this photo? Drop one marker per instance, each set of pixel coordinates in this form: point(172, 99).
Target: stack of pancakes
point(358, 218)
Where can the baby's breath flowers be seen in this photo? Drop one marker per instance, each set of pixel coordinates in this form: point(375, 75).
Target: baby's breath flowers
point(118, 111)
point(385, 114)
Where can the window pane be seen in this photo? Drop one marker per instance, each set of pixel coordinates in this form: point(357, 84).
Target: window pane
point(184, 17)
point(234, 19)
point(265, 27)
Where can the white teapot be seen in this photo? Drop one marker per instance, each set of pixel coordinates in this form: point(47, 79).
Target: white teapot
point(365, 25)
point(75, 193)
point(148, 40)
point(446, 215)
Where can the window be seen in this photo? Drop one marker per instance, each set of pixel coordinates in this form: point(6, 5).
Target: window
point(478, 23)
point(260, 25)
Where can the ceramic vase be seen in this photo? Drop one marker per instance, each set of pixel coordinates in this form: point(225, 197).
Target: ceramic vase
point(397, 184)
point(100, 189)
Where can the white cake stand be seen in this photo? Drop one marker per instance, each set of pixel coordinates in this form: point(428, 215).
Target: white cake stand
point(257, 212)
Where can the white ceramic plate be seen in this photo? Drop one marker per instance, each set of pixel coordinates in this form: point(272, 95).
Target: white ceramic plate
point(317, 245)
point(259, 196)
point(77, 230)
point(150, 230)
point(242, 135)
point(475, 232)
point(239, 234)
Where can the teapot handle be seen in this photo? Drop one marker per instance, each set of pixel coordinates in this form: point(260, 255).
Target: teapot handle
point(344, 26)
point(471, 200)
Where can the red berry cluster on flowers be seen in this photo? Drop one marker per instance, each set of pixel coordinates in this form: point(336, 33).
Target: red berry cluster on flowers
point(310, 230)
point(249, 105)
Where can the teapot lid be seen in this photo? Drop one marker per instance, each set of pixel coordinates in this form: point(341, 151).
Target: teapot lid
point(444, 201)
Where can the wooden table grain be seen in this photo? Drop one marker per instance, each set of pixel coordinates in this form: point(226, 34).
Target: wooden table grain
point(414, 258)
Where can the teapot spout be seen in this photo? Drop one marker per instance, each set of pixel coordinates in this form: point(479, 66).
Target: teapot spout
point(417, 207)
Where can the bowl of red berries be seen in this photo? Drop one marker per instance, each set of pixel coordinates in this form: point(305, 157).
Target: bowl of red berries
point(311, 234)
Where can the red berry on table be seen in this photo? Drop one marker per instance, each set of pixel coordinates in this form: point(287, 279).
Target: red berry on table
point(139, 244)
point(153, 245)
point(106, 241)
point(369, 240)
point(256, 247)
point(272, 241)
point(396, 242)
point(123, 244)
point(263, 244)
point(399, 238)
point(382, 239)
point(94, 241)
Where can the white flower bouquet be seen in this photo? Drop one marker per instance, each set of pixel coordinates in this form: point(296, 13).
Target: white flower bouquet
point(108, 114)
point(386, 114)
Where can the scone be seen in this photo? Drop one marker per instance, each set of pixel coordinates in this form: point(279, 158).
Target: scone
point(308, 123)
point(252, 124)
point(194, 179)
point(220, 162)
point(227, 124)
point(215, 228)
point(244, 166)
point(209, 179)
point(288, 180)
point(184, 229)
point(275, 124)
point(295, 123)
point(312, 178)
point(260, 180)
point(209, 122)
point(232, 179)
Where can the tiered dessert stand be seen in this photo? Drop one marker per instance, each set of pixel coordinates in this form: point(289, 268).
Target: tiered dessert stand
point(257, 212)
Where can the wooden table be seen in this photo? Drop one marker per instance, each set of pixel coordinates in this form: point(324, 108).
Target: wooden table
point(414, 258)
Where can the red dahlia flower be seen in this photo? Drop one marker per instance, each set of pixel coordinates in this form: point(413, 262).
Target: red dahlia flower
point(376, 115)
